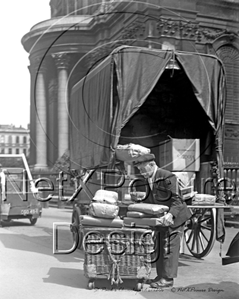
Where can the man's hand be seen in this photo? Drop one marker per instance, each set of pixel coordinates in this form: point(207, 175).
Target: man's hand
point(167, 220)
point(137, 196)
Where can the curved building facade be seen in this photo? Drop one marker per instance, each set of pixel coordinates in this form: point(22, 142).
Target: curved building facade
point(80, 33)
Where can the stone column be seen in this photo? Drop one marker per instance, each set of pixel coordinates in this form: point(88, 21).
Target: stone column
point(32, 152)
point(62, 63)
point(39, 105)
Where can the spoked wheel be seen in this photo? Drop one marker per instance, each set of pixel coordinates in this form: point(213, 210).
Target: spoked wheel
point(75, 226)
point(200, 231)
point(33, 220)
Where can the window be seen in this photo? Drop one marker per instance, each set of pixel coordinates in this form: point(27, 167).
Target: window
point(230, 57)
point(9, 139)
point(17, 139)
point(2, 151)
point(25, 152)
point(10, 151)
point(2, 139)
point(24, 140)
point(17, 151)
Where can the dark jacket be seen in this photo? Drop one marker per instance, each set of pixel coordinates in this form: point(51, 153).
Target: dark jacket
point(165, 192)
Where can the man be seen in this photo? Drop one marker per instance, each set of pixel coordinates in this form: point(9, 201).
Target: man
point(164, 191)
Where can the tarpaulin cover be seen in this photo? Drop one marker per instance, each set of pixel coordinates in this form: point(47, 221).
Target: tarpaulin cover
point(94, 135)
point(90, 118)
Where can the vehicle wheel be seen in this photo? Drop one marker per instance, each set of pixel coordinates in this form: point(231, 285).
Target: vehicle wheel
point(139, 286)
point(75, 223)
point(200, 231)
point(33, 221)
point(91, 285)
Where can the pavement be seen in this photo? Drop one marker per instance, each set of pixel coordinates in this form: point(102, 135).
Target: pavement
point(30, 270)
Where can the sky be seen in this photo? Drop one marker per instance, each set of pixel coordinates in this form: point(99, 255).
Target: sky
point(18, 16)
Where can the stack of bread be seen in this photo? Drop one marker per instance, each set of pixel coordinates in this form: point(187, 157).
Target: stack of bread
point(104, 205)
point(145, 214)
point(204, 199)
point(130, 152)
point(103, 211)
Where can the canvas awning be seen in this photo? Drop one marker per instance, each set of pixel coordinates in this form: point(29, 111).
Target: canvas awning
point(90, 108)
point(94, 134)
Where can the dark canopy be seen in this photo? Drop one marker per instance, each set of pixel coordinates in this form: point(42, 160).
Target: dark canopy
point(90, 108)
point(95, 130)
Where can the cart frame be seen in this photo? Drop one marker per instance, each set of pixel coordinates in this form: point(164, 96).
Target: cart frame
point(123, 108)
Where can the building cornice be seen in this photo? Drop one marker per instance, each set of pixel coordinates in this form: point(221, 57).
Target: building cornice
point(59, 24)
point(15, 131)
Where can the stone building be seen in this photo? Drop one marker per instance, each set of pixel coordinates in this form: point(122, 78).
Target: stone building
point(80, 33)
point(14, 140)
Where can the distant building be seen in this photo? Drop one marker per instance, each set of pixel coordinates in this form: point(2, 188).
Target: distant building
point(14, 140)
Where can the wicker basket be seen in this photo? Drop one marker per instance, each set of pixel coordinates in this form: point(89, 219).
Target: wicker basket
point(115, 253)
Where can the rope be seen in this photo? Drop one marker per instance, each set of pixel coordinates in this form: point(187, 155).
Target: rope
point(114, 275)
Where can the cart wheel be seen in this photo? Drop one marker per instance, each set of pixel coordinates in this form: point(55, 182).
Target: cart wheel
point(139, 286)
point(75, 222)
point(200, 231)
point(91, 285)
point(33, 221)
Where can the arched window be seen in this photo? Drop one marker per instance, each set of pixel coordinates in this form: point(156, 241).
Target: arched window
point(230, 58)
point(24, 140)
point(2, 139)
point(17, 139)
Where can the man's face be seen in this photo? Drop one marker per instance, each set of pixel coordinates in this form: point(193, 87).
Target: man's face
point(146, 169)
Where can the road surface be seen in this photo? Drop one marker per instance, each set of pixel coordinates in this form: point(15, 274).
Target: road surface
point(30, 270)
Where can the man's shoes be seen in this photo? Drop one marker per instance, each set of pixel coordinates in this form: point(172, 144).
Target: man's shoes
point(149, 281)
point(162, 283)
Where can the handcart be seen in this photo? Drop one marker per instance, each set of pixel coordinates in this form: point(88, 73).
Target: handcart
point(109, 107)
